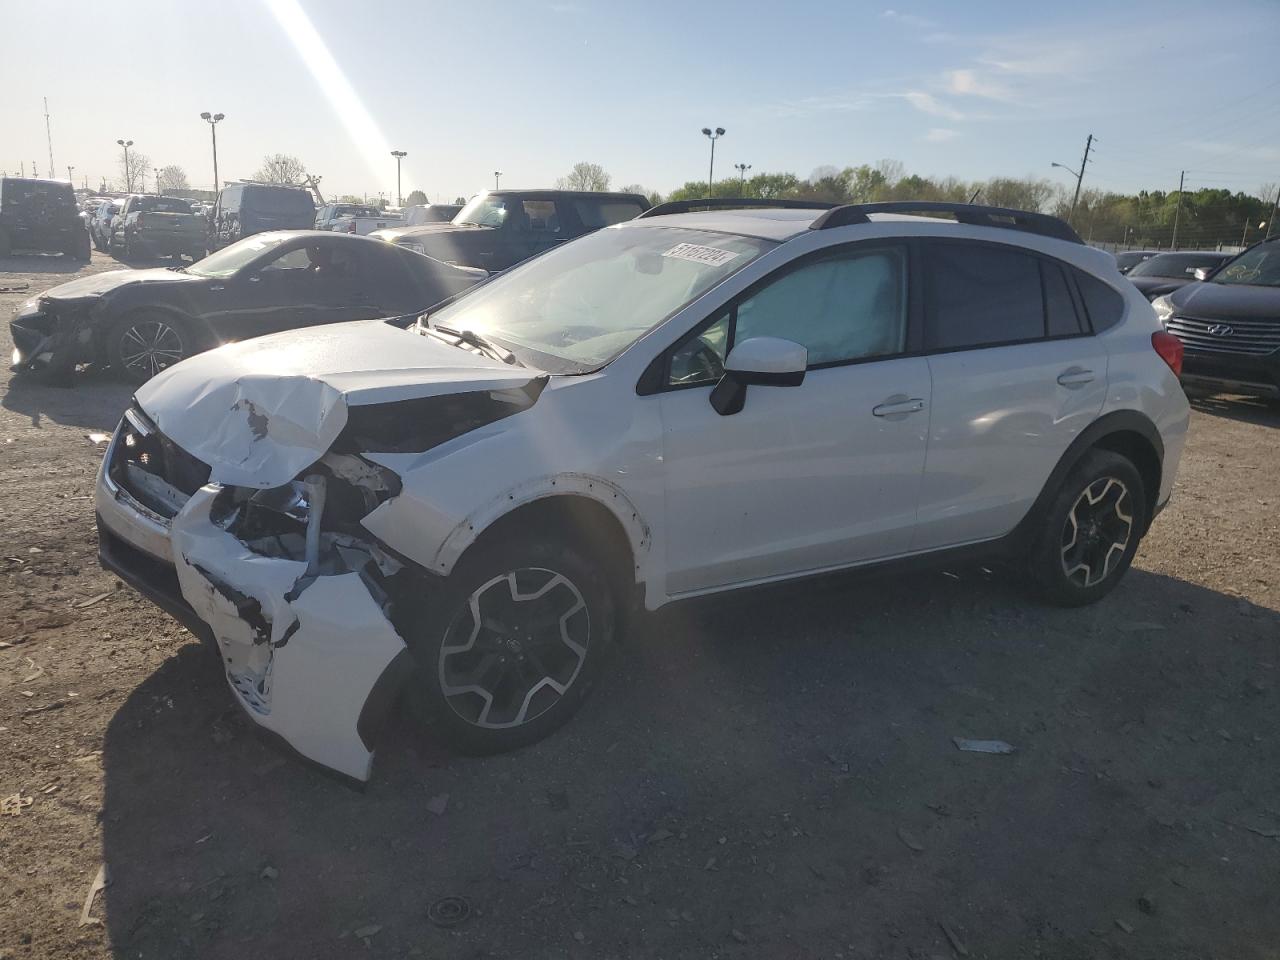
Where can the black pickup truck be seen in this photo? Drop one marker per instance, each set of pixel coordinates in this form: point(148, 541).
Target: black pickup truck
point(41, 215)
point(499, 228)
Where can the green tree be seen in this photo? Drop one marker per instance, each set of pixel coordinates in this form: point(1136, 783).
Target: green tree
point(416, 197)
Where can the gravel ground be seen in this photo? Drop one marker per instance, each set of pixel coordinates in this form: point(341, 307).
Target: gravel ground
point(762, 775)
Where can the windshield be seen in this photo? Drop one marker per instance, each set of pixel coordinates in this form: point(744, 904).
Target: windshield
point(228, 260)
point(483, 211)
point(575, 308)
point(1259, 267)
point(1180, 265)
point(350, 210)
point(165, 205)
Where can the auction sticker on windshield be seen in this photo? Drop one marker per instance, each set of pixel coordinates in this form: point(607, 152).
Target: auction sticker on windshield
point(712, 256)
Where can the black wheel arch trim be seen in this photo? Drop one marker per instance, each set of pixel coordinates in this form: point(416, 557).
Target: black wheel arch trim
point(1116, 422)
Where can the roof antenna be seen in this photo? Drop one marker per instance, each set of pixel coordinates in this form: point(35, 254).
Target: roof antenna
point(975, 195)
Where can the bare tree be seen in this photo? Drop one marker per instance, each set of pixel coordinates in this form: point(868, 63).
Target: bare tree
point(416, 197)
point(585, 176)
point(282, 168)
point(132, 173)
point(172, 177)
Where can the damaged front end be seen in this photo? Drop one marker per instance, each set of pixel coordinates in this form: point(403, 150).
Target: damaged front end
point(50, 337)
point(301, 602)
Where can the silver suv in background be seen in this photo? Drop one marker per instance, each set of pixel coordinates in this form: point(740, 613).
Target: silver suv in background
point(464, 508)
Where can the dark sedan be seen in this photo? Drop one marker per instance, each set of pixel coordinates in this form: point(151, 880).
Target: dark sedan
point(1166, 272)
point(1229, 325)
point(1128, 259)
point(142, 321)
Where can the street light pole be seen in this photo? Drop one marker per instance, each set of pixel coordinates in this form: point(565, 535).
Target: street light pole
point(212, 119)
point(399, 155)
point(69, 177)
point(742, 169)
point(156, 171)
point(496, 175)
point(128, 175)
point(1079, 175)
point(711, 173)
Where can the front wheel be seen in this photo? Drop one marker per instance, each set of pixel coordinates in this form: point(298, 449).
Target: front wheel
point(1091, 530)
point(514, 645)
point(143, 344)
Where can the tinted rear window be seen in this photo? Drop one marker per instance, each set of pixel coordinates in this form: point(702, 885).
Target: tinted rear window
point(981, 296)
point(165, 205)
point(1060, 318)
point(281, 200)
point(1104, 306)
point(605, 213)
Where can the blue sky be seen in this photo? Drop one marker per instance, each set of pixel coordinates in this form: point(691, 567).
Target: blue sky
point(973, 89)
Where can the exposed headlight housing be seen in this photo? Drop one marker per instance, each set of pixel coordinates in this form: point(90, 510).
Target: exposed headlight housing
point(28, 308)
point(415, 247)
point(1163, 307)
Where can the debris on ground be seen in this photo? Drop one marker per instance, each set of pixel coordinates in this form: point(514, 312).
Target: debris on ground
point(983, 746)
point(438, 804)
point(99, 882)
point(449, 911)
point(92, 600)
point(12, 805)
point(738, 935)
point(1126, 927)
point(910, 839)
point(956, 943)
point(623, 850)
point(1146, 904)
point(98, 437)
point(364, 933)
point(269, 873)
point(660, 834)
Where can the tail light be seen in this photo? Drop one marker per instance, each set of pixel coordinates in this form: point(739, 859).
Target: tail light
point(351, 227)
point(1170, 349)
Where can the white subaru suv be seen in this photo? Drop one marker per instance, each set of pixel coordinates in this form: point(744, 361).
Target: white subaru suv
point(463, 507)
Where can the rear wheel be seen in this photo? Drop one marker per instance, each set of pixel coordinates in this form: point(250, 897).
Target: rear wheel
point(144, 343)
point(1091, 530)
point(514, 646)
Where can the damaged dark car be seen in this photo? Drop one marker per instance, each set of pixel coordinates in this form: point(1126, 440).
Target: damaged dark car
point(140, 322)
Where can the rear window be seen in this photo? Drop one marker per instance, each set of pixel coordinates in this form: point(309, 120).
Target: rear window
point(605, 213)
point(165, 205)
point(43, 193)
point(279, 200)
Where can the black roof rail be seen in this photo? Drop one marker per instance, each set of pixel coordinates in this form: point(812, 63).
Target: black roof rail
point(733, 203)
point(974, 214)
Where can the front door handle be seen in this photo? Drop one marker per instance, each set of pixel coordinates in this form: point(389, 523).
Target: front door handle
point(1075, 377)
point(898, 406)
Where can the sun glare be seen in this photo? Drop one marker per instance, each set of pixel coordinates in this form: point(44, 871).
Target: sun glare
point(359, 123)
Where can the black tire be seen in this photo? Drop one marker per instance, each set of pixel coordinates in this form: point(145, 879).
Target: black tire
point(1091, 531)
point(143, 343)
point(98, 244)
point(553, 577)
point(81, 250)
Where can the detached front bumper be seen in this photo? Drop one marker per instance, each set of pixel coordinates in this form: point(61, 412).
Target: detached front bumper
point(307, 648)
point(55, 337)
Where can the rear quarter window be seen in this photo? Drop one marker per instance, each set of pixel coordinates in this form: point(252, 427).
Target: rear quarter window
point(595, 214)
point(1104, 305)
point(982, 295)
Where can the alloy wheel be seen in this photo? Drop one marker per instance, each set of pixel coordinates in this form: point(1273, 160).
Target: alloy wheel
point(1096, 532)
point(515, 648)
point(149, 346)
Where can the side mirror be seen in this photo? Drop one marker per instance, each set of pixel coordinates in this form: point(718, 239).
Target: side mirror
point(1202, 273)
point(762, 361)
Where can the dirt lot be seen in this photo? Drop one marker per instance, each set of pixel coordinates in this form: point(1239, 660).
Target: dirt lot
point(763, 775)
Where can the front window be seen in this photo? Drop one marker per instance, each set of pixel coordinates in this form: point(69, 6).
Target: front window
point(230, 260)
point(575, 308)
point(1259, 267)
point(1179, 265)
point(483, 211)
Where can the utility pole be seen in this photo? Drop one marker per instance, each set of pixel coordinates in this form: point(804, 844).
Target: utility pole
point(69, 177)
point(156, 171)
point(1088, 144)
point(1275, 208)
point(1177, 211)
point(48, 136)
point(399, 155)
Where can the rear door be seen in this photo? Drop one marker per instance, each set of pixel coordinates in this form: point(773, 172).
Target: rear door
point(1016, 376)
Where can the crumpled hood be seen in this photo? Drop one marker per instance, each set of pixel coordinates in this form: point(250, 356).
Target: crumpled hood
point(1226, 301)
point(99, 283)
point(260, 411)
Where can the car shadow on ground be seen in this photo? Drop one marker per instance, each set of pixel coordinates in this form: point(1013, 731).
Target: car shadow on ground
point(1244, 409)
point(39, 263)
point(767, 773)
point(65, 402)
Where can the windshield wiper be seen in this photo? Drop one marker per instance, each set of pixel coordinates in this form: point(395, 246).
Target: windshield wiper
point(472, 339)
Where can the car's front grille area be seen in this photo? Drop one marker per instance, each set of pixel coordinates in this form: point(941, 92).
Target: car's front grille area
point(152, 468)
point(1250, 337)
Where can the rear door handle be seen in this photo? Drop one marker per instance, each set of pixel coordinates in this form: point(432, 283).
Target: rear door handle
point(899, 405)
point(1075, 377)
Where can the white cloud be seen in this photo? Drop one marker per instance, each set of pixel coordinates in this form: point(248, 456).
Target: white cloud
point(941, 135)
point(971, 83)
point(928, 103)
point(910, 20)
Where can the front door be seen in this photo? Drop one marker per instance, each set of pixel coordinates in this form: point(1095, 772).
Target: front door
point(805, 478)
